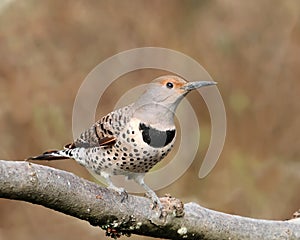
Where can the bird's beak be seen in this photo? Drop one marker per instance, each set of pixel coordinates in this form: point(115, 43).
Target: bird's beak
point(193, 85)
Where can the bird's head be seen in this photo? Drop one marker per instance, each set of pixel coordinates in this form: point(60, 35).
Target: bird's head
point(163, 95)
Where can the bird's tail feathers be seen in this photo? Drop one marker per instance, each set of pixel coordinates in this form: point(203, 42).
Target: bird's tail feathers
point(50, 155)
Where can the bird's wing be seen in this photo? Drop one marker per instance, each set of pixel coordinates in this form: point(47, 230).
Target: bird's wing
point(103, 142)
point(105, 131)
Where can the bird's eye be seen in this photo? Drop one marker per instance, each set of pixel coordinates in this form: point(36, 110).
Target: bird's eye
point(169, 85)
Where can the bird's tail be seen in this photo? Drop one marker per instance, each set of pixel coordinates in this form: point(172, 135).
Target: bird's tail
point(50, 155)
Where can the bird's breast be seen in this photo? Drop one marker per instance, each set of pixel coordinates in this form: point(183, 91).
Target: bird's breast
point(138, 148)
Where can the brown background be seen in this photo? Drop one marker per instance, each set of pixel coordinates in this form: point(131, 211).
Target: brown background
point(251, 48)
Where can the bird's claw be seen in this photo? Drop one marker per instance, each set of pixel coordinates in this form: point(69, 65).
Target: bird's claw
point(124, 196)
point(156, 204)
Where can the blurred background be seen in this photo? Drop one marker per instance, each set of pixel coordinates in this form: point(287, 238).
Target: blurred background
point(251, 48)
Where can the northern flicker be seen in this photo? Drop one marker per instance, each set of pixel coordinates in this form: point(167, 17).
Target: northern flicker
point(131, 140)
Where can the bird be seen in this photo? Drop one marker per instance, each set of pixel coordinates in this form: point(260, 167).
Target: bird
point(131, 140)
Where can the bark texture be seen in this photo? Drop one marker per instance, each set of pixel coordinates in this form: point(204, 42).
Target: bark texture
point(69, 194)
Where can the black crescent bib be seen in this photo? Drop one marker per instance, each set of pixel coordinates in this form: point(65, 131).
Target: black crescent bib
point(156, 138)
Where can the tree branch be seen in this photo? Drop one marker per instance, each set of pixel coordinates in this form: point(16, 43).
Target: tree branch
point(69, 194)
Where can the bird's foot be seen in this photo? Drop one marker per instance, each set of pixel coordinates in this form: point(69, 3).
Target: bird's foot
point(168, 207)
point(122, 192)
point(172, 206)
point(156, 204)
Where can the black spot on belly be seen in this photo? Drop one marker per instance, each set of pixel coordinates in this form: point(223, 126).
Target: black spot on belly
point(156, 138)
